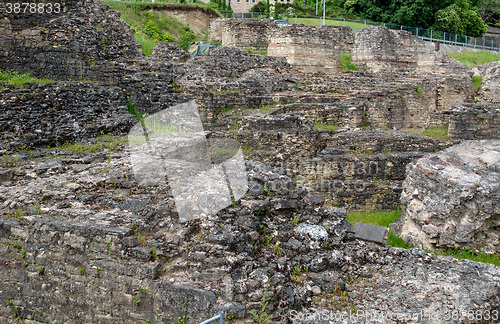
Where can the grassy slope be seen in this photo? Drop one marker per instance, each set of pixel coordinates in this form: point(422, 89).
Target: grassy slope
point(136, 14)
point(470, 58)
point(385, 218)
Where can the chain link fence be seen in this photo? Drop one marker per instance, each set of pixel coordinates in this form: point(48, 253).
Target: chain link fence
point(356, 24)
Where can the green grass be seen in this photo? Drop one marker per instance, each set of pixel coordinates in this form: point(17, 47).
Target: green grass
point(346, 63)
point(147, 43)
point(102, 143)
point(330, 127)
point(380, 218)
point(470, 58)
point(476, 81)
point(262, 52)
point(153, 25)
point(384, 218)
point(16, 79)
point(438, 132)
point(318, 22)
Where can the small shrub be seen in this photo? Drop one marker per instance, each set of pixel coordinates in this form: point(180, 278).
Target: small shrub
point(41, 270)
point(346, 63)
point(476, 81)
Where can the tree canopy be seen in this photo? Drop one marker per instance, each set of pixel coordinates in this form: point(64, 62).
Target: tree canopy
point(468, 17)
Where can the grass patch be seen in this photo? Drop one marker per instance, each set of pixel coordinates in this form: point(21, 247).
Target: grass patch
point(146, 43)
point(382, 218)
point(470, 58)
point(261, 52)
point(473, 256)
point(331, 127)
point(318, 22)
point(476, 81)
point(346, 63)
point(102, 143)
point(438, 132)
point(16, 79)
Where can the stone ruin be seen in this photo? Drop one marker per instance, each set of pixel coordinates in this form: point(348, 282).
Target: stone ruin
point(83, 240)
point(465, 212)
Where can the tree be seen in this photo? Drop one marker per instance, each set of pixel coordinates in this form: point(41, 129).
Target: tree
point(489, 11)
point(460, 19)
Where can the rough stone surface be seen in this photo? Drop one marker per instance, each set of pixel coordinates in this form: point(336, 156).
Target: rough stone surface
point(369, 232)
point(490, 84)
point(71, 44)
point(464, 212)
point(78, 230)
point(474, 121)
point(169, 52)
point(307, 47)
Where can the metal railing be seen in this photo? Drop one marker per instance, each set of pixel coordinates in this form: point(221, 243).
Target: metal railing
point(213, 319)
point(356, 25)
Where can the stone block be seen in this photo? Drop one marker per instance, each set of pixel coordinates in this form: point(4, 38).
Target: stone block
point(368, 232)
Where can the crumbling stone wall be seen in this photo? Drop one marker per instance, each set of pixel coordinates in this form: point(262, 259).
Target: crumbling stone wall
point(77, 272)
point(375, 48)
point(489, 90)
point(378, 49)
point(474, 121)
point(464, 212)
point(247, 34)
point(215, 30)
point(308, 47)
point(71, 44)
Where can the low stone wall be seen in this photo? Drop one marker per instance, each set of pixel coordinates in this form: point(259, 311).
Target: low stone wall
point(308, 47)
point(65, 45)
point(474, 121)
point(77, 272)
point(215, 30)
point(375, 48)
point(247, 34)
point(489, 90)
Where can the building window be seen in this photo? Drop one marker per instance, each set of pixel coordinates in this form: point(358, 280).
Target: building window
point(248, 1)
point(238, 1)
point(253, 1)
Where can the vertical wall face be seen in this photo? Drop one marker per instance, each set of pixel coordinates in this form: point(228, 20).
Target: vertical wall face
point(215, 30)
point(247, 34)
point(311, 48)
point(379, 49)
point(65, 44)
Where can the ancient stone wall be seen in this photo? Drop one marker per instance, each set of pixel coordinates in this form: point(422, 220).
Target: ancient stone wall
point(215, 30)
point(70, 44)
point(474, 121)
point(463, 213)
point(375, 48)
point(308, 47)
point(77, 272)
point(489, 90)
point(247, 34)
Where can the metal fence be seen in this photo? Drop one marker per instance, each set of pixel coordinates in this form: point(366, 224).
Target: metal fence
point(218, 317)
point(425, 34)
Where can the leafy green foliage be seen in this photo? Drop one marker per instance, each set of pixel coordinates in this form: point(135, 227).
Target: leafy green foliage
point(151, 27)
point(476, 81)
point(459, 18)
point(346, 63)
